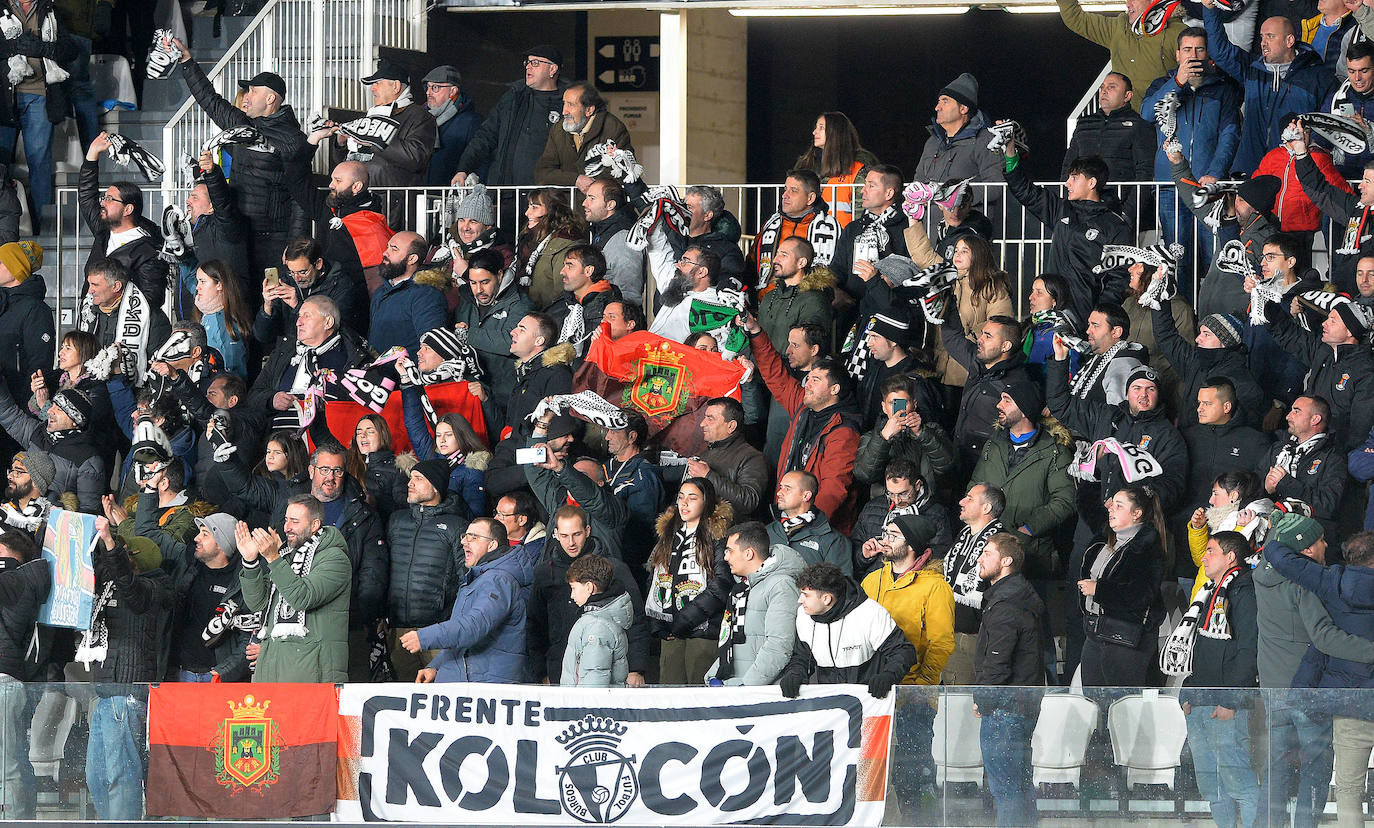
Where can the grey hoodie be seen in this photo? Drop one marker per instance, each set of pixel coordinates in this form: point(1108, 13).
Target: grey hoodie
point(598, 652)
point(1291, 618)
point(770, 620)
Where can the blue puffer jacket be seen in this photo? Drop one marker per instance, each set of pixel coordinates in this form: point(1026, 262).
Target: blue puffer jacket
point(484, 637)
point(401, 312)
point(1208, 122)
point(468, 479)
point(1347, 592)
point(1267, 97)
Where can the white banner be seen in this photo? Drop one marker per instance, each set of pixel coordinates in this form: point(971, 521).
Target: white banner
point(525, 755)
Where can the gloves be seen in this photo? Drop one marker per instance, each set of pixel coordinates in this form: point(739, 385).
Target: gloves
point(880, 686)
point(790, 685)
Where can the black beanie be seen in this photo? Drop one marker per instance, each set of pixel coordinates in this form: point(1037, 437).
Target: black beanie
point(963, 89)
point(436, 471)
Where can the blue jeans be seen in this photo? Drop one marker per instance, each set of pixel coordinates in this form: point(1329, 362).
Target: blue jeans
point(115, 760)
point(32, 112)
point(1299, 751)
point(1177, 224)
point(17, 786)
point(188, 677)
point(1005, 738)
point(1221, 760)
point(82, 92)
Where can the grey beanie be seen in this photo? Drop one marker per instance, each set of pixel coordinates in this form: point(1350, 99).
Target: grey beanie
point(41, 469)
point(221, 528)
point(477, 206)
point(963, 89)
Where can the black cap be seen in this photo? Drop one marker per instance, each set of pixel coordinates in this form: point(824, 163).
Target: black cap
point(388, 70)
point(271, 80)
point(560, 426)
point(436, 471)
point(547, 52)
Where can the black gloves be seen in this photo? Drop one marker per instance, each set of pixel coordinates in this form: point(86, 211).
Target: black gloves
point(791, 685)
point(880, 686)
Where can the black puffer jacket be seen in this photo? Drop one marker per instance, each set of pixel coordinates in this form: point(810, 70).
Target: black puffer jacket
point(549, 373)
point(1124, 139)
point(386, 483)
point(874, 295)
point(22, 590)
point(26, 334)
point(259, 170)
point(426, 562)
point(1213, 449)
point(136, 619)
point(349, 294)
point(1195, 366)
point(514, 134)
point(223, 234)
point(983, 389)
point(1343, 375)
point(139, 256)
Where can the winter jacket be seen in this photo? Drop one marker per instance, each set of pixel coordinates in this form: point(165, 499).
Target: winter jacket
point(136, 618)
point(598, 648)
point(1342, 375)
point(722, 239)
point(873, 295)
point(349, 294)
point(783, 307)
point(1128, 589)
point(624, 265)
point(1081, 229)
point(1294, 207)
point(873, 520)
point(489, 330)
point(1142, 59)
point(542, 375)
point(1320, 481)
point(699, 615)
point(932, 451)
point(1195, 365)
point(386, 483)
point(593, 303)
point(355, 241)
point(1350, 165)
point(321, 654)
point(1360, 463)
point(426, 562)
point(405, 161)
point(1333, 51)
point(1039, 491)
point(63, 50)
point(1213, 449)
point(1340, 205)
point(982, 389)
point(832, 459)
point(562, 161)
point(277, 371)
point(467, 480)
point(1208, 121)
point(231, 661)
point(1268, 97)
point(1290, 619)
point(552, 613)
point(816, 225)
point(259, 170)
point(739, 473)
point(607, 513)
point(816, 542)
point(1347, 592)
point(171, 527)
point(1149, 430)
point(1122, 138)
point(23, 588)
point(974, 312)
point(77, 458)
point(854, 643)
point(403, 311)
point(1227, 664)
point(921, 603)
point(26, 334)
point(638, 484)
point(964, 154)
point(483, 639)
point(1008, 651)
point(1142, 332)
point(139, 256)
point(454, 135)
point(513, 137)
point(769, 595)
point(545, 284)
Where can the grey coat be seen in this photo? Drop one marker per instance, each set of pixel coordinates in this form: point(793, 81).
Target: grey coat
point(1291, 618)
point(770, 620)
point(598, 652)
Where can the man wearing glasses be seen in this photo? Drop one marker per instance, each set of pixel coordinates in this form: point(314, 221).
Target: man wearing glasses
point(516, 131)
point(457, 118)
point(119, 231)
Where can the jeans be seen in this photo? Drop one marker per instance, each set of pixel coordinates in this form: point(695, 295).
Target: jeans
point(17, 786)
point(32, 112)
point(1177, 224)
point(1221, 760)
point(188, 677)
point(1353, 739)
point(82, 92)
point(1299, 750)
point(1005, 738)
point(913, 768)
point(115, 760)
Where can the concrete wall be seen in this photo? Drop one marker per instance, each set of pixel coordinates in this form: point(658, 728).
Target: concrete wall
point(717, 96)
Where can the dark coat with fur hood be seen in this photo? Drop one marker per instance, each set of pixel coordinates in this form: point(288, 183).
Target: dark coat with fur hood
point(698, 616)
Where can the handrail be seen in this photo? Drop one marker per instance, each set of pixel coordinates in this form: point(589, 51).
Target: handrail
point(1087, 104)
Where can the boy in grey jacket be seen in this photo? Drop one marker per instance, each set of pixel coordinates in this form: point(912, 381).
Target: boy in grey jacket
point(598, 652)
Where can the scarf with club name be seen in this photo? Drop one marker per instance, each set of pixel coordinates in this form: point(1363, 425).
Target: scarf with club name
point(961, 564)
point(289, 621)
point(1208, 615)
point(133, 322)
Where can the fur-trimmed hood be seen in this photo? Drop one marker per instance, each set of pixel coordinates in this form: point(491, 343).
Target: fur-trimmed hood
point(199, 508)
point(1055, 428)
point(561, 354)
point(721, 520)
point(477, 461)
point(436, 277)
point(818, 278)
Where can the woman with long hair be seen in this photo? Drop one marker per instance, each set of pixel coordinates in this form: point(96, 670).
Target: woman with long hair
point(1119, 589)
point(689, 582)
point(77, 349)
point(551, 228)
point(1049, 294)
point(1237, 504)
point(220, 309)
point(277, 476)
point(982, 293)
point(370, 453)
point(837, 157)
point(456, 443)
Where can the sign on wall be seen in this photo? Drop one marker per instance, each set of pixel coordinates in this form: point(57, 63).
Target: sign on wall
point(626, 64)
point(468, 753)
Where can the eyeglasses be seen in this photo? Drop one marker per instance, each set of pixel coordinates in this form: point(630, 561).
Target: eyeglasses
point(1269, 257)
point(474, 536)
point(539, 62)
point(439, 86)
point(685, 260)
point(15, 471)
point(108, 198)
point(329, 471)
point(505, 514)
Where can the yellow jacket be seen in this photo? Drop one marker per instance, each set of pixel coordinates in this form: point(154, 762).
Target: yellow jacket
point(922, 604)
point(1197, 544)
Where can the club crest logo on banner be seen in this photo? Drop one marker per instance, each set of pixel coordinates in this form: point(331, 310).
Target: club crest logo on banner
point(659, 379)
point(509, 754)
point(247, 747)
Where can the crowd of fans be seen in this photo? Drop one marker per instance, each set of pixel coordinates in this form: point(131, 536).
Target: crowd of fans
point(913, 487)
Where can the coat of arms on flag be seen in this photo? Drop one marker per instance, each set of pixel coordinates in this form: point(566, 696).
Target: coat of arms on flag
point(247, 746)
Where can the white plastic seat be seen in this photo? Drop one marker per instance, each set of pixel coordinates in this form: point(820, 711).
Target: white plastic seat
point(1066, 723)
point(1148, 731)
point(52, 721)
point(956, 749)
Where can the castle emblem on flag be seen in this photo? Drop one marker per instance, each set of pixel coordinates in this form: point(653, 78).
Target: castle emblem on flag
point(247, 747)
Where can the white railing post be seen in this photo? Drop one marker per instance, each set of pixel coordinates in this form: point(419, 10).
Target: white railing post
point(369, 51)
point(318, 61)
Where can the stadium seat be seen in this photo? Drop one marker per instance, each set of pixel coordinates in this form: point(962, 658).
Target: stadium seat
point(1147, 731)
point(1066, 723)
point(957, 752)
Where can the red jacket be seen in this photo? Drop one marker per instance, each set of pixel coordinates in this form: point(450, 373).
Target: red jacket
point(833, 460)
point(1295, 211)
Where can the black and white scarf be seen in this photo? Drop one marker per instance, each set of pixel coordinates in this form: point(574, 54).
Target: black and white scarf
point(1089, 375)
point(376, 130)
point(1136, 463)
point(133, 323)
point(919, 502)
point(732, 627)
point(822, 231)
point(792, 524)
point(526, 278)
point(12, 28)
point(124, 152)
point(680, 584)
point(1208, 615)
point(662, 203)
point(307, 357)
point(585, 404)
point(1293, 453)
point(288, 621)
point(29, 517)
point(961, 564)
point(229, 615)
point(608, 158)
point(874, 237)
point(95, 642)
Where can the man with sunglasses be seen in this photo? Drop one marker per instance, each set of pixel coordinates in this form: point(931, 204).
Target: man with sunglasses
point(511, 140)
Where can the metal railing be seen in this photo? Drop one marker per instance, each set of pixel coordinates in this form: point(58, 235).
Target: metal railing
point(321, 48)
point(1087, 104)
